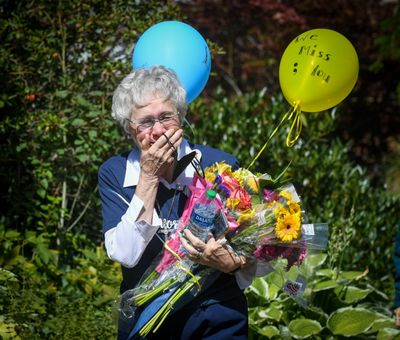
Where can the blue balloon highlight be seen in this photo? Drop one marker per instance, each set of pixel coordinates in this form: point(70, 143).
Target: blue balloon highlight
point(178, 46)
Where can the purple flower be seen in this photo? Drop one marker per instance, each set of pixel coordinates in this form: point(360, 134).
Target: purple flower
point(224, 189)
point(218, 179)
point(270, 195)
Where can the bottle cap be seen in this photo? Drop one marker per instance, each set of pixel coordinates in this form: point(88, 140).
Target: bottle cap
point(211, 194)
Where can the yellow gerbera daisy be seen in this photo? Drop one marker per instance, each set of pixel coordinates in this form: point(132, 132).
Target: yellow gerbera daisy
point(280, 211)
point(287, 195)
point(288, 228)
point(294, 208)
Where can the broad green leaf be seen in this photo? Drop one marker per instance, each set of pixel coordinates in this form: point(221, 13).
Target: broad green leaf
point(62, 94)
point(83, 102)
point(352, 294)
point(43, 253)
point(83, 157)
point(268, 331)
point(351, 275)
point(350, 321)
point(78, 122)
point(260, 287)
point(316, 260)
point(303, 328)
point(12, 234)
point(270, 313)
point(44, 182)
point(96, 93)
point(328, 272)
point(275, 279)
point(92, 134)
point(41, 192)
point(388, 334)
point(383, 323)
point(324, 285)
point(93, 114)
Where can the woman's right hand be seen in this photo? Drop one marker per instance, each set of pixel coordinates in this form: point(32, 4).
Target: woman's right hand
point(157, 157)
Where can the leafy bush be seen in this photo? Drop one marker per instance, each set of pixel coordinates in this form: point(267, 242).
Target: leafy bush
point(39, 299)
point(344, 304)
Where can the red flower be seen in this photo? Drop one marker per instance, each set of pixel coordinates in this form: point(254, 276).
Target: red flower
point(243, 197)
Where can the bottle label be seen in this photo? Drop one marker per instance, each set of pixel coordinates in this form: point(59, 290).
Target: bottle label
point(202, 221)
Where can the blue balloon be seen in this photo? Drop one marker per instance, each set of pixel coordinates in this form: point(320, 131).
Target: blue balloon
point(180, 47)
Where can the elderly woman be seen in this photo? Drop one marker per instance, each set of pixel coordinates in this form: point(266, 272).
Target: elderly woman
point(143, 194)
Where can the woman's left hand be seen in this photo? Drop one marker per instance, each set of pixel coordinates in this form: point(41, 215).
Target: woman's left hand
point(213, 254)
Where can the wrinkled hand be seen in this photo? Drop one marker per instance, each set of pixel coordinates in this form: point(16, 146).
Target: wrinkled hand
point(397, 316)
point(213, 254)
point(157, 156)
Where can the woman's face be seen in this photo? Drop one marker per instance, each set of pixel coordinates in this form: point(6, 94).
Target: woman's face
point(146, 119)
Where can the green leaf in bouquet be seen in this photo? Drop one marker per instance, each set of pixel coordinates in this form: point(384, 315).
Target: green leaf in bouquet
point(350, 321)
point(304, 328)
point(266, 181)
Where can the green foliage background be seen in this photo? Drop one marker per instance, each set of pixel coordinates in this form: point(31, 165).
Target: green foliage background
point(60, 62)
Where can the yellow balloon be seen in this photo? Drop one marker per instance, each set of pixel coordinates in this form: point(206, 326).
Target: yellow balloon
point(318, 69)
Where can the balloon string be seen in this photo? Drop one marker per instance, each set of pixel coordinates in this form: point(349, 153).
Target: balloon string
point(297, 125)
point(287, 116)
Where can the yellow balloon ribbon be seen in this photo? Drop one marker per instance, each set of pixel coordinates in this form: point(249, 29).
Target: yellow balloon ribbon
point(293, 114)
point(297, 125)
point(187, 271)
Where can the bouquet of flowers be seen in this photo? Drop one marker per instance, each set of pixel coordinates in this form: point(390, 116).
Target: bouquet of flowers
point(260, 218)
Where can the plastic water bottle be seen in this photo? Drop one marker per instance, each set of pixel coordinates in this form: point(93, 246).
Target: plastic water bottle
point(202, 218)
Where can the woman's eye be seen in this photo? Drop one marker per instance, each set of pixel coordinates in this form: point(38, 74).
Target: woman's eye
point(146, 122)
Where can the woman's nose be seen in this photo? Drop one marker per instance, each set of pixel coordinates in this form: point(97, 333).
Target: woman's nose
point(158, 129)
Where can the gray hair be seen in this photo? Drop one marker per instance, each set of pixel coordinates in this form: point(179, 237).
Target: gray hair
point(134, 88)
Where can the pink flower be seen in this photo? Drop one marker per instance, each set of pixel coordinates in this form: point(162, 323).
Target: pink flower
point(230, 182)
